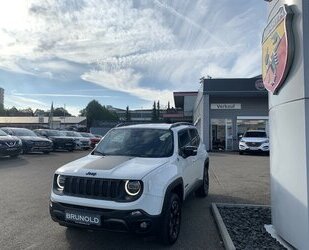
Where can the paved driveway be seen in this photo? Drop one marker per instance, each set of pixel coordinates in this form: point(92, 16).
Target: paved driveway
point(25, 222)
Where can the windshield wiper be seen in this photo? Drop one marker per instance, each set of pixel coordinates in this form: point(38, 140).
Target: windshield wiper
point(98, 152)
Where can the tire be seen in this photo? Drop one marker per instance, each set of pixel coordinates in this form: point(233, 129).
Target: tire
point(71, 149)
point(241, 153)
point(46, 152)
point(171, 220)
point(14, 156)
point(203, 190)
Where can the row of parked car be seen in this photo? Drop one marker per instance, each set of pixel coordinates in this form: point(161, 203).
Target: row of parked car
point(15, 141)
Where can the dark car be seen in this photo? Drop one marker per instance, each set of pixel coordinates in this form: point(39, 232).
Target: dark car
point(9, 145)
point(93, 139)
point(30, 141)
point(80, 141)
point(60, 142)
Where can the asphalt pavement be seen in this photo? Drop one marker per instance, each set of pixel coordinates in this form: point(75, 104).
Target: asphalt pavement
point(24, 196)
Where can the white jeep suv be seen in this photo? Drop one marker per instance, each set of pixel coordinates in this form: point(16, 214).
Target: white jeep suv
point(134, 180)
point(254, 141)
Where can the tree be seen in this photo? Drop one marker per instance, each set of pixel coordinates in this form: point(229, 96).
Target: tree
point(13, 111)
point(96, 112)
point(61, 112)
point(39, 112)
point(128, 114)
point(158, 110)
point(154, 112)
point(2, 110)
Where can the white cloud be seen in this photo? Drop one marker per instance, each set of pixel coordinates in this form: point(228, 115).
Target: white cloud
point(144, 48)
point(126, 81)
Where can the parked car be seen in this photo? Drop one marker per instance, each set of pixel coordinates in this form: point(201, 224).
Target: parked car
point(135, 180)
point(93, 139)
point(59, 140)
point(30, 141)
point(254, 141)
point(9, 145)
point(80, 141)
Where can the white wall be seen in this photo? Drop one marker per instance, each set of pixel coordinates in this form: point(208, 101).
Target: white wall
point(289, 137)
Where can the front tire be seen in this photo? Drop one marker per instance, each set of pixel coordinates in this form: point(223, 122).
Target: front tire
point(171, 220)
point(204, 188)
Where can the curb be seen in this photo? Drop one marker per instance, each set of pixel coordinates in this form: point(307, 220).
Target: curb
point(227, 241)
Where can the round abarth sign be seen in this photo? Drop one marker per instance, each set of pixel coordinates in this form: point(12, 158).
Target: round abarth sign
point(277, 49)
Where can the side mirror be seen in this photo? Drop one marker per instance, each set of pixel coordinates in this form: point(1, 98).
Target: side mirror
point(188, 151)
point(241, 136)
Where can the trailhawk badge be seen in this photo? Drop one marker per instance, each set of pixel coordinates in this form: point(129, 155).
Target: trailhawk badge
point(277, 49)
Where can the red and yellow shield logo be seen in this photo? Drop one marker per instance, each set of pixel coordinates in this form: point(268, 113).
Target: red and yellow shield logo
point(278, 49)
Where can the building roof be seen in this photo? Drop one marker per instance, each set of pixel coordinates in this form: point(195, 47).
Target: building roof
point(36, 119)
point(231, 86)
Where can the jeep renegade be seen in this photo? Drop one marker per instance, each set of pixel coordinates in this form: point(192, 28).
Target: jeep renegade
point(134, 180)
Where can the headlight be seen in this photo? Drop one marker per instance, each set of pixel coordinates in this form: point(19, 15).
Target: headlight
point(133, 188)
point(60, 182)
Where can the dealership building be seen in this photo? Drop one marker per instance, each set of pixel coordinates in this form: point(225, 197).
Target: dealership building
point(225, 108)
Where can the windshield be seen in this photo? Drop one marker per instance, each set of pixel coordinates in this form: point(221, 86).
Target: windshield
point(53, 133)
point(71, 134)
point(2, 133)
point(137, 142)
point(23, 132)
point(257, 134)
point(87, 135)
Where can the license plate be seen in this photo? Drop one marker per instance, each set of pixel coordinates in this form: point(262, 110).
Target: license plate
point(254, 148)
point(11, 149)
point(83, 218)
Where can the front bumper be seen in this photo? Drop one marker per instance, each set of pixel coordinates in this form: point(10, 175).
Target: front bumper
point(63, 145)
point(34, 148)
point(262, 148)
point(135, 221)
point(10, 151)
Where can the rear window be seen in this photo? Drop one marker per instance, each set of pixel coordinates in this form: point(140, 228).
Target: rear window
point(256, 134)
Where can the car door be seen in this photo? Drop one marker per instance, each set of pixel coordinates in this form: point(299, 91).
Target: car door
point(184, 139)
point(198, 159)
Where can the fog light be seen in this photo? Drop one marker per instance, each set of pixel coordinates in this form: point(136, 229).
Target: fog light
point(143, 225)
point(136, 213)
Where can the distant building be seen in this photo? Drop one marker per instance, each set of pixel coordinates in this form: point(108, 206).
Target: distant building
point(137, 115)
point(1, 96)
point(184, 107)
point(33, 122)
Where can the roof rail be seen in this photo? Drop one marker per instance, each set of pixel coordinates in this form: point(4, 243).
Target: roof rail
point(176, 124)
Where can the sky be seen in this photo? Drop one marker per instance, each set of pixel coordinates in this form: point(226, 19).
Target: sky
point(123, 52)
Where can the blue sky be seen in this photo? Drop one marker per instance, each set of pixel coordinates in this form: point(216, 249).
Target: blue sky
point(125, 52)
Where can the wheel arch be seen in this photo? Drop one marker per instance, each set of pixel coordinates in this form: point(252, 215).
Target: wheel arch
point(175, 187)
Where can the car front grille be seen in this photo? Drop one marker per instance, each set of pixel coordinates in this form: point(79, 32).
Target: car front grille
point(253, 144)
point(93, 188)
point(42, 144)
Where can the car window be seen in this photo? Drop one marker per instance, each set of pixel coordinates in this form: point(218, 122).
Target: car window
point(195, 141)
point(2, 133)
point(137, 142)
point(183, 138)
point(256, 134)
point(24, 132)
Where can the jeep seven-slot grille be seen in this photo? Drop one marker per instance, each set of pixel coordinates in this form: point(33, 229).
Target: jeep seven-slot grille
point(94, 188)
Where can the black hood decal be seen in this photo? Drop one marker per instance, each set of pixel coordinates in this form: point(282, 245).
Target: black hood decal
point(107, 162)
